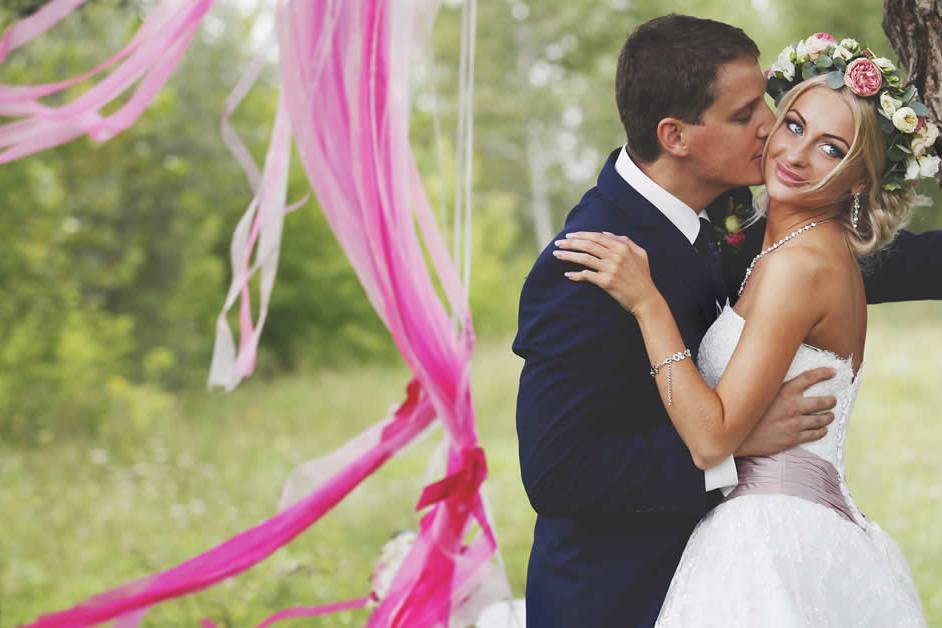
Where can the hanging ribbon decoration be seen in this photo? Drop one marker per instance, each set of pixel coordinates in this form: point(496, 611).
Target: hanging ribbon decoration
point(346, 101)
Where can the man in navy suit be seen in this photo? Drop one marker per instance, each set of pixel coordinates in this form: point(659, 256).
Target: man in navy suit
point(616, 491)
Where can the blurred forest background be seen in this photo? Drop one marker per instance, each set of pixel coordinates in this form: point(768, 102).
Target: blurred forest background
point(114, 265)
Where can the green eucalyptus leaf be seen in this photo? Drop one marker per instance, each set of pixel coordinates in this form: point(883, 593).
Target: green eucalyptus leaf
point(835, 79)
point(897, 153)
point(919, 108)
point(808, 71)
point(909, 94)
point(886, 125)
point(824, 62)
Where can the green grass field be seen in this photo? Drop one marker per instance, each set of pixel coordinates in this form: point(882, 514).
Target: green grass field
point(80, 517)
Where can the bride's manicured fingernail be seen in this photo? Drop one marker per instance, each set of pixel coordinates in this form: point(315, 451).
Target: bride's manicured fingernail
point(556, 253)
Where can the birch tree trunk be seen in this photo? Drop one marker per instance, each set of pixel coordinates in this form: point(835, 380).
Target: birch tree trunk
point(914, 28)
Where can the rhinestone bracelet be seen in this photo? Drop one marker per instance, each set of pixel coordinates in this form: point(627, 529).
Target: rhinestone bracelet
point(669, 363)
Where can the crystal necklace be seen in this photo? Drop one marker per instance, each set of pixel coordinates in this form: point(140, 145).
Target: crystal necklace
point(791, 236)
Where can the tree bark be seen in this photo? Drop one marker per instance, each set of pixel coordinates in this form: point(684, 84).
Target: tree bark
point(914, 28)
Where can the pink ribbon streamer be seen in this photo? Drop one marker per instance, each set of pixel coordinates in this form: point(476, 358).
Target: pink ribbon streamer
point(345, 99)
point(35, 25)
point(151, 57)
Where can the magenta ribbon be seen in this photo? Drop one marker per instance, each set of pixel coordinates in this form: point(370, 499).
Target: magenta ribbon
point(462, 483)
point(345, 73)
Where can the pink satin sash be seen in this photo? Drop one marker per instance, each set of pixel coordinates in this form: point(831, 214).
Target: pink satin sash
point(796, 472)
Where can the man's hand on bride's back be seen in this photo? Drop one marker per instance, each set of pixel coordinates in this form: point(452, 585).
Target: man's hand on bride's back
point(792, 418)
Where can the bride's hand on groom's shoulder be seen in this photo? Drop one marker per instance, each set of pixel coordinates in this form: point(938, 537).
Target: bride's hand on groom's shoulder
point(613, 263)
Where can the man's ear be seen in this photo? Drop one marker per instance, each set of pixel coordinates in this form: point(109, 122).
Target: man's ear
point(671, 133)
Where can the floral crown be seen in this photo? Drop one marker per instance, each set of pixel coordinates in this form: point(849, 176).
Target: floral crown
point(904, 120)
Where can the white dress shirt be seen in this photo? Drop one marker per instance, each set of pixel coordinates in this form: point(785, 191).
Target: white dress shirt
point(723, 476)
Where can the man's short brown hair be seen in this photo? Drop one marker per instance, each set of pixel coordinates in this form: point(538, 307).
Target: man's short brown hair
point(667, 68)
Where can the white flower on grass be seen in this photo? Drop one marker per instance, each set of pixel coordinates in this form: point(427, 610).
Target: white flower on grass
point(392, 556)
point(884, 64)
point(905, 119)
point(889, 104)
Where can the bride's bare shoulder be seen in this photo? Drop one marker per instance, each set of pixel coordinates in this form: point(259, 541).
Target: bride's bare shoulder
point(794, 268)
point(790, 282)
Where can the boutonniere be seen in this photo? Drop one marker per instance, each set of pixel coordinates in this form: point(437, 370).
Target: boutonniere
point(738, 207)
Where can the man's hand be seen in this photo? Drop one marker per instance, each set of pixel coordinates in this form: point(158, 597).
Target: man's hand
point(792, 418)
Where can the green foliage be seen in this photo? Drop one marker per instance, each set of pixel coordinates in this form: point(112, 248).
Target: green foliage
point(115, 256)
point(146, 496)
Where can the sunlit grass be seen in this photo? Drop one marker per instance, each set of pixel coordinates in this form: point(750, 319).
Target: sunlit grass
point(80, 517)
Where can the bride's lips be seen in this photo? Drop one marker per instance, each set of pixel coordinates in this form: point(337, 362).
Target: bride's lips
point(788, 177)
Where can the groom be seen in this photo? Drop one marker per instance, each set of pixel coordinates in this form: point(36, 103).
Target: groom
point(615, 489)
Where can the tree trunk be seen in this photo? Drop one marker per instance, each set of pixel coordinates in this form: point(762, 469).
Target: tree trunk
point(914, 28)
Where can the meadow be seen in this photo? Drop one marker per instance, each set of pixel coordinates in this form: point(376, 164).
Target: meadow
point(81, 515)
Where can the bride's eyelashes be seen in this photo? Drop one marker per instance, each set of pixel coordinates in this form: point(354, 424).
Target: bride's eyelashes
point(796, 128)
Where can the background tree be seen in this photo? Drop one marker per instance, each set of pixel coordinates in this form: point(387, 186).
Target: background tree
point(914, 28)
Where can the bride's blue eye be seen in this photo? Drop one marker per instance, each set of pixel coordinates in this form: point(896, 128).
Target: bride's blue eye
point(833, 151)
point(794, 127)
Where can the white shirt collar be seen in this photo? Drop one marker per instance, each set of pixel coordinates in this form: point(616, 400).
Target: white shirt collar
point(678, 212)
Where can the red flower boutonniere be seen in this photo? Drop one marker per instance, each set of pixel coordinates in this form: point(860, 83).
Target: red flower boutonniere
point(738, 207)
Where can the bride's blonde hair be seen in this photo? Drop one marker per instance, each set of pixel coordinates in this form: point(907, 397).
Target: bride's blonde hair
point(882, 213)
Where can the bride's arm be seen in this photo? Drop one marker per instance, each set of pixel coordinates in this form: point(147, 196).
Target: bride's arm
point(712, 423)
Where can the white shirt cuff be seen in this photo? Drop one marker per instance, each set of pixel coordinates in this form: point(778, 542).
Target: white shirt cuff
point(723, 476)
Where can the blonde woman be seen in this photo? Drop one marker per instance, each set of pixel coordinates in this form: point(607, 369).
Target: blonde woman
point(788, 547)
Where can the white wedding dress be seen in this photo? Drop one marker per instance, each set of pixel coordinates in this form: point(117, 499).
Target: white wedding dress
point(788, 548)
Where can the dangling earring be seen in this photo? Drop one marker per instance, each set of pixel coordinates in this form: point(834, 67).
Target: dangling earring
point(855, 218)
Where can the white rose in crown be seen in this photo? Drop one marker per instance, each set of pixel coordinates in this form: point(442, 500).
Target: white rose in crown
point(884, 64)
point(889, 104)
point(906, 120)
point(842, 53)
point(784, 64)
point(929, 165)
point(925, 139)
point(850, 44)
point(801, 52)
point(818, 43)
point(931, 133)
point(925, 166)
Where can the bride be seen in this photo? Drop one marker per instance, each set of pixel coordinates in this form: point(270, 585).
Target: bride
point(788, 547)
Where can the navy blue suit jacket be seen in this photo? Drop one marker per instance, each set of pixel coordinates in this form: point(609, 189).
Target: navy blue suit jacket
point(614, 487)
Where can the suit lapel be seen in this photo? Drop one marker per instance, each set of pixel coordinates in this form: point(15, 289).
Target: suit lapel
point(673, 259)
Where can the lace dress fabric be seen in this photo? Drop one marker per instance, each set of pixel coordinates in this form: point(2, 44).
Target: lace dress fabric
point(783, 561)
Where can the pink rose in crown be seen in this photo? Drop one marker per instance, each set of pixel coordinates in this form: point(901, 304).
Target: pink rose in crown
point(818, 43)
point(863, 77)
point(735, 239)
